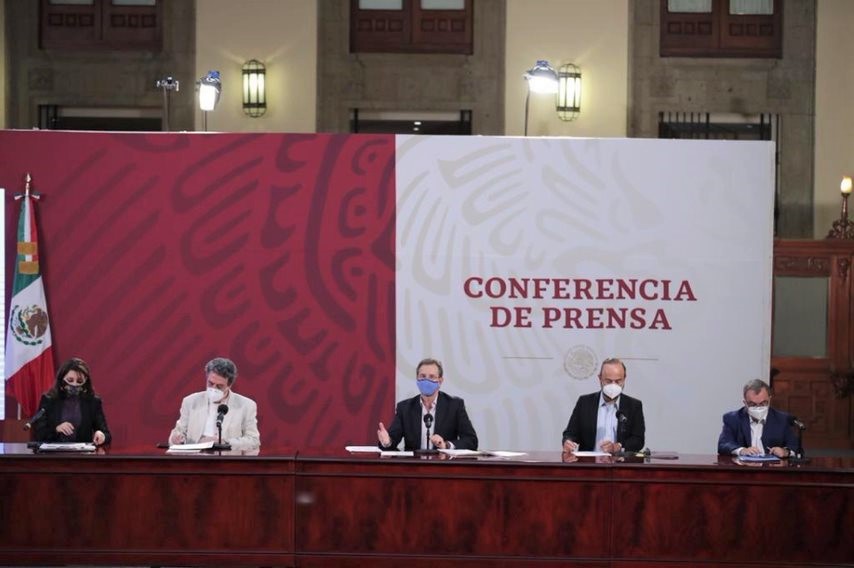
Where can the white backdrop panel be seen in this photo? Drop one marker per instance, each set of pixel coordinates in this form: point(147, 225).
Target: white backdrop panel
point(695, 212)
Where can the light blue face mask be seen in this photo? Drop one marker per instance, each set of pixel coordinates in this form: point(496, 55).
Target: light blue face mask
point(427, 387)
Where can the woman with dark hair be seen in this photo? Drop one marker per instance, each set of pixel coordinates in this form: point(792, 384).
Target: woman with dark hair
point(73, 412)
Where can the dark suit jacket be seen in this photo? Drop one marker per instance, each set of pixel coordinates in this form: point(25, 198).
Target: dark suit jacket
point(451, 422)
point(91, 419)
point(775, 433)
point(582, 424)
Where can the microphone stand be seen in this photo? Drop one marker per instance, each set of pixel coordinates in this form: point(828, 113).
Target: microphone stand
point(219, 446)
point(799, 457)
point(428, 421)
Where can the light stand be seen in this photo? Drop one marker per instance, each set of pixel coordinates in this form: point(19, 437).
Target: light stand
point(527, 104)
point(168, 84)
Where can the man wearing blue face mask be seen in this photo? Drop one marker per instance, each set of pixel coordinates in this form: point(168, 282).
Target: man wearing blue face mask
point(200, 411)
point(608, 420)
point(442, 415)
point(756, 428)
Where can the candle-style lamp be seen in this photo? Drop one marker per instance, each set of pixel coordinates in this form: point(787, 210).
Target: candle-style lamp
point(842, 227)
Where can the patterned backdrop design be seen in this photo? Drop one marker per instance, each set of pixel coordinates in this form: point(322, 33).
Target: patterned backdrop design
point(162, 251)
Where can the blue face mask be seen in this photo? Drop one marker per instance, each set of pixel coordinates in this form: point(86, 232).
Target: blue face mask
point(427, 387)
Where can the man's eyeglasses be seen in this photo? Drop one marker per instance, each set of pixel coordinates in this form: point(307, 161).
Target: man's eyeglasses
point(757, 404)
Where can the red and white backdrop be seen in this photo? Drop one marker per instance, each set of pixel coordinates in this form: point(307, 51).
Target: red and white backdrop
point(162, 251)
point(326, 266)
point(525, 262)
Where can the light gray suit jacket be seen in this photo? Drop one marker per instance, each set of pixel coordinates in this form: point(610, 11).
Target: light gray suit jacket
point(239, 427)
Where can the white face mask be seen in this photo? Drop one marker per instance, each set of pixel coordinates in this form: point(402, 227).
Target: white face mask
point(758, 412)
point(215, 395)
point(612, 390)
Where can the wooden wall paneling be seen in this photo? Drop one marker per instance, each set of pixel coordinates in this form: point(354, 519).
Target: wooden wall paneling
point(148, 509)
point(457, 511)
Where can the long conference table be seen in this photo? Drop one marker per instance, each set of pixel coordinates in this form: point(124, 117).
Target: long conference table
point(281, 507)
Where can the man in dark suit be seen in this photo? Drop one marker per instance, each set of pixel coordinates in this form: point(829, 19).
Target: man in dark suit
point(756, 428)
point(607, 420)
point(449, 424)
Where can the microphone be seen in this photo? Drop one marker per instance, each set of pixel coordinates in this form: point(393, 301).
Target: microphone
point(621, 425)
point(621, 422)
point(799, 456)
point(36, 417)
point(221, 411)
point(429, 450)
point(428, 421)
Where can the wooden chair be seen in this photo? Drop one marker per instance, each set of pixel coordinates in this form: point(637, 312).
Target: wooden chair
point(12, 430)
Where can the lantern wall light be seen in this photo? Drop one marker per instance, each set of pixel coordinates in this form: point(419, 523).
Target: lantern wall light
point(254, 88)
point(568, 100)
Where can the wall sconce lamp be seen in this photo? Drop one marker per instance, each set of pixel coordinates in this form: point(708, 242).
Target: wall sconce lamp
point(254, 89)
point(842, 227)
point(568, 101)
point(210, 87)
point(168, 84)
point(541, 78)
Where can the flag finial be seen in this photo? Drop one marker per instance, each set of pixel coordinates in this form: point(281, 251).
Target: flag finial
point(28, 182)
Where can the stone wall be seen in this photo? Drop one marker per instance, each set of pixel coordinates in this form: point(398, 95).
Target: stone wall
point(746, 86)
point(411, 82)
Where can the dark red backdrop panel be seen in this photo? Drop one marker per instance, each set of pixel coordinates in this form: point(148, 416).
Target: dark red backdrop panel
point(161, 251)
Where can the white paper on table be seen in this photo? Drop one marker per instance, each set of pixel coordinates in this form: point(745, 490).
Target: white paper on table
point(66, 447)
point(363, 449)
point(504, 453)
point(461, 453)
point(396, 454)
point(191, 447)
point(590, 454)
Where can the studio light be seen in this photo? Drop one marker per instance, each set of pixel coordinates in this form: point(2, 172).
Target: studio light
point(167, 84)
point(541, 78)
point(210, 87)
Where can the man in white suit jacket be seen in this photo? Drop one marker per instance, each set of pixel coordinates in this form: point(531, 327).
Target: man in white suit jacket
point(197, 422)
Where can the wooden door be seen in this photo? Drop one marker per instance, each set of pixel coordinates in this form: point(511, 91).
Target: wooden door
point(812, 338)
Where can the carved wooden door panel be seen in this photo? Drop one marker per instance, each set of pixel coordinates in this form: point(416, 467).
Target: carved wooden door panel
point(813, 332)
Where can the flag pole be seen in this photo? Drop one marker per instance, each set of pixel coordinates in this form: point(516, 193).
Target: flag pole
point(29, 369)
point(28, 180)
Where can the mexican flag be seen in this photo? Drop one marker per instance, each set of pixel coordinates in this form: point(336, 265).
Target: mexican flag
point(29, 356)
